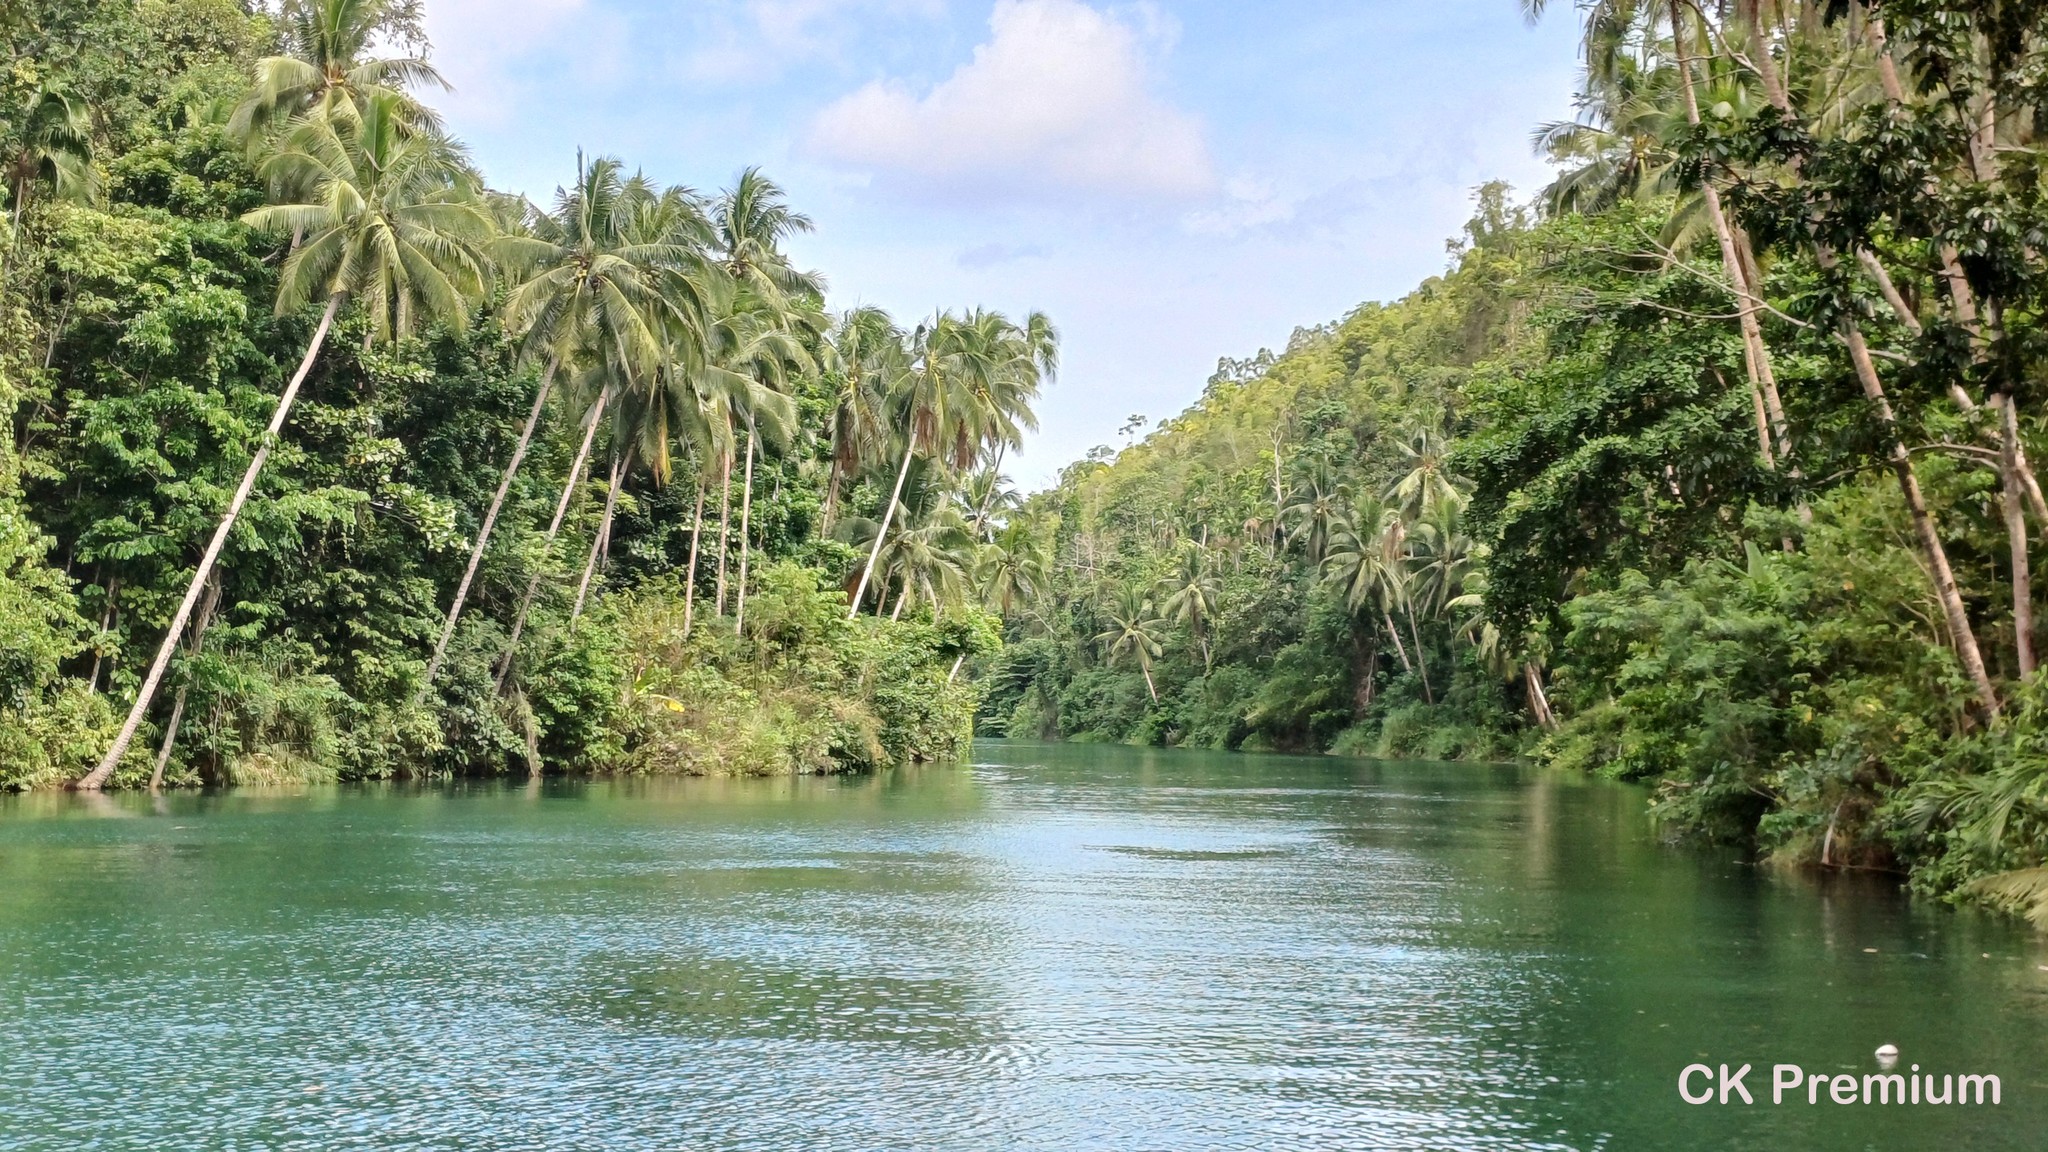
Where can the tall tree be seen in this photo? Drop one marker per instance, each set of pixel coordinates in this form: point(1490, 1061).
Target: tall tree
point(391, 222)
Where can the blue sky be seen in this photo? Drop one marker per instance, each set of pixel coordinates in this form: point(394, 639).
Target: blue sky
point(1173, 181)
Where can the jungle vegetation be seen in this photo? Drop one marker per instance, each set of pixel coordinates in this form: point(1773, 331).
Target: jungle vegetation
point(327, 460)
point(1709, 467)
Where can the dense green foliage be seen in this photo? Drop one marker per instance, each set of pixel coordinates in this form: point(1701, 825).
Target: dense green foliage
point(1710, 469)
point(436, 570)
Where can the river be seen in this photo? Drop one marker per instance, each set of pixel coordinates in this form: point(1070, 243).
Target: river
point(1056, 948)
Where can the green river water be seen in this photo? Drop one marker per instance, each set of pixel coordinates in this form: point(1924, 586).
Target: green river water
point(1056, 948)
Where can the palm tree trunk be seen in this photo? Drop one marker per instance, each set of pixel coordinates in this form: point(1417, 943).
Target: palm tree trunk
point(483, 534)
point(901, 600)
point(144, 696)
point(995, 471)
point(888, 514)
point(554, 529)
point(108, 615)
point(163, 754)
point(831, 500)
point(1399, 650)
point(739, 623)
point(724, 508)
point(690, 582)
point(1901, 461)
point(1421, 665)
point(603, 537)
point(957, 661)
point(1539, 700)
point(2016, 532)
point(1146, 668)
point(1755, 354)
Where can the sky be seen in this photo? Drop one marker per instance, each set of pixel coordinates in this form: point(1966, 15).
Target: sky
point(1172, 181)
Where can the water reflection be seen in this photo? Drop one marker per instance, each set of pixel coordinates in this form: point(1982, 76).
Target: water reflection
point(1060, 948)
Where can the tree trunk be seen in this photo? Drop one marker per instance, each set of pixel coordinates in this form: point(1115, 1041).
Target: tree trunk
point(995, 471)
point(1149, 687)
point(724, 510)
point(1387, 618)
point(739, 623)
point(1539, 700)
point(108, 615)
point(1755, 354)
point(1901, 460)
point(2016, 533)
point(957, 661)
point(554, 529)
point(97, 778)
point(1421, 664)
point(888, 514)
point(690, 582)
point(603, 537)
point(483, 534)
point(831, 500)
point(205, 617)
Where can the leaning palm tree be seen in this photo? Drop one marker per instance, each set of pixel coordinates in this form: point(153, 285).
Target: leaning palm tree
point(327, 68)
point(969, 386)
point(1134, 629)
point(588, 279)
point(863, 363)
point(390, 222)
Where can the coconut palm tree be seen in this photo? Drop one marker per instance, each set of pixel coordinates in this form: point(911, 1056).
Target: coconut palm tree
point(864, 362)
point(1189, 595)
point(1134, 630)
point(54, 149)
point(753, 220)
point(1016, 565)
point(1366, 562)
point(590, 277)
point(327, 67)
point(390, 222)
point(1313, 509)
point(969, 385)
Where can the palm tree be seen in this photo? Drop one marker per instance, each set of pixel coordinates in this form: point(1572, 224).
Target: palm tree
point(1427, 479)
point(1189, 595)
point(1366, 562)
point(55, 149)
point(1134, 629)
point(929, 560)
point(753, 220)
point(327, 69)
point(864, 360)
point(1314, 508)
point(1016, 565)
point(754, 351)
point(390, 222)
point(969, 385)
point(987, 497)
point(589, 279)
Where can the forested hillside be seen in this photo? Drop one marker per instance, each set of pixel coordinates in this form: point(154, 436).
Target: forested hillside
point(1709, 467)
point(326, 460)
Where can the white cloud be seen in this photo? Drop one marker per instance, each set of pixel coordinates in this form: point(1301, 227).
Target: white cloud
point(983, 256)
point(1060, 97)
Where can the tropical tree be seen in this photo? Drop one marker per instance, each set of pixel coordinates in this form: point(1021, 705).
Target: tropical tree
point(1015, 566)
point(391, 222)
point(969, 388)
point(864, 363)
point(1190, 594)
point(1313, 509)
point(590, 278)
point(53, 148)
point(327, 68)
point(1134, 631)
